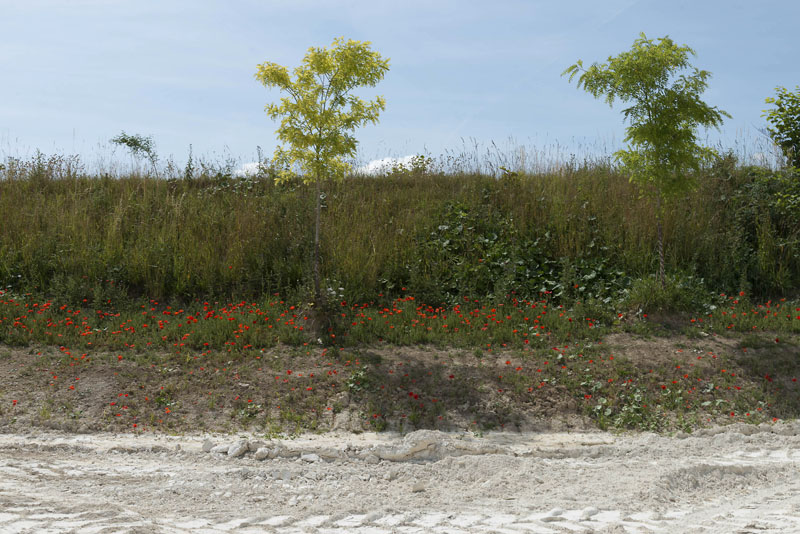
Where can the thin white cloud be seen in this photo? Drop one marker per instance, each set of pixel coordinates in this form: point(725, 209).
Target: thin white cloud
point(381, 166)
point(247, 169)
point(373, 168)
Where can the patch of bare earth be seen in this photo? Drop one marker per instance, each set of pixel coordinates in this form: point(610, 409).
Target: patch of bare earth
point(289, 390)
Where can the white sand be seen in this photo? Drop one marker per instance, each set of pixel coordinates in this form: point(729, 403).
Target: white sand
point(734, 479)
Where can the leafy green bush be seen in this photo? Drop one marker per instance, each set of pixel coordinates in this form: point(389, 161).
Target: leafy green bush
point(785, 120)
point(678, 294)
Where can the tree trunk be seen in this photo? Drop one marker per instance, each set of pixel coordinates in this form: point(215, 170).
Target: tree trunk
point(661, 274)
point(317, 214)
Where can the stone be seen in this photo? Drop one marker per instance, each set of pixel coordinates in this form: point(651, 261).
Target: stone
point(220, 449)
point(238, 449)
point(208, 445)
point(588, 513)
point(253, 446)
point(553, 516)
point(280, 450)
point(262, 453)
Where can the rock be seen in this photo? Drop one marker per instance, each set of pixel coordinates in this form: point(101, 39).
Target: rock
point(262, 453)
point(347, 421)
point(418, 487)
point(553, 515)
point(238, 449)
point(331, 453)
point(588, 513)
point(343, 398)
point(419, 445)
point(371, 459)
point(279, 450)
point(220, 449)
point(745, 429)
point(208, 445)
point(311, 458)
point(253, 446)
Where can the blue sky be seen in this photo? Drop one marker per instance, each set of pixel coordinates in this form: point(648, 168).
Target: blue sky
point(463, 72)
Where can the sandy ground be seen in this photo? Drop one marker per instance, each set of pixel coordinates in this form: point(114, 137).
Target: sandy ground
point(740, 478)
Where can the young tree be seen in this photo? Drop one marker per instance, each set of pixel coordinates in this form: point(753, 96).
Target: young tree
point(139, 146)
point(664, 115)
point(319, 116)
point(785, 120)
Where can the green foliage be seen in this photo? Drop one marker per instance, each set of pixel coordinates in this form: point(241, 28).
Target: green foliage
point(665, 113)
point(77, 237)
point(680, 294)
point(766, 217)
point(42, 169)
point(663, 157)
point(631, 411)
point(418, 166)
point(785, 121)
point(319, 115)
point(188, 171)
point(362, 381)
point(470, 253)
point(479, 251)
point(140, 147)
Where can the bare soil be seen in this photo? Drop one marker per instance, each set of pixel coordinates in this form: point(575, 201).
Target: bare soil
point(290, 390)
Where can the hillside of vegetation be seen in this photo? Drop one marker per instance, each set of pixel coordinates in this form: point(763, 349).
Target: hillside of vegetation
point(580, 233)
point(455, 300)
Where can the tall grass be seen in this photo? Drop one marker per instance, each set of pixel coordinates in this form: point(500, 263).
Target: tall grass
point(577, 230)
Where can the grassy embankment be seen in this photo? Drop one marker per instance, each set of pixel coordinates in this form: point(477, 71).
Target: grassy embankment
point(457, 301)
